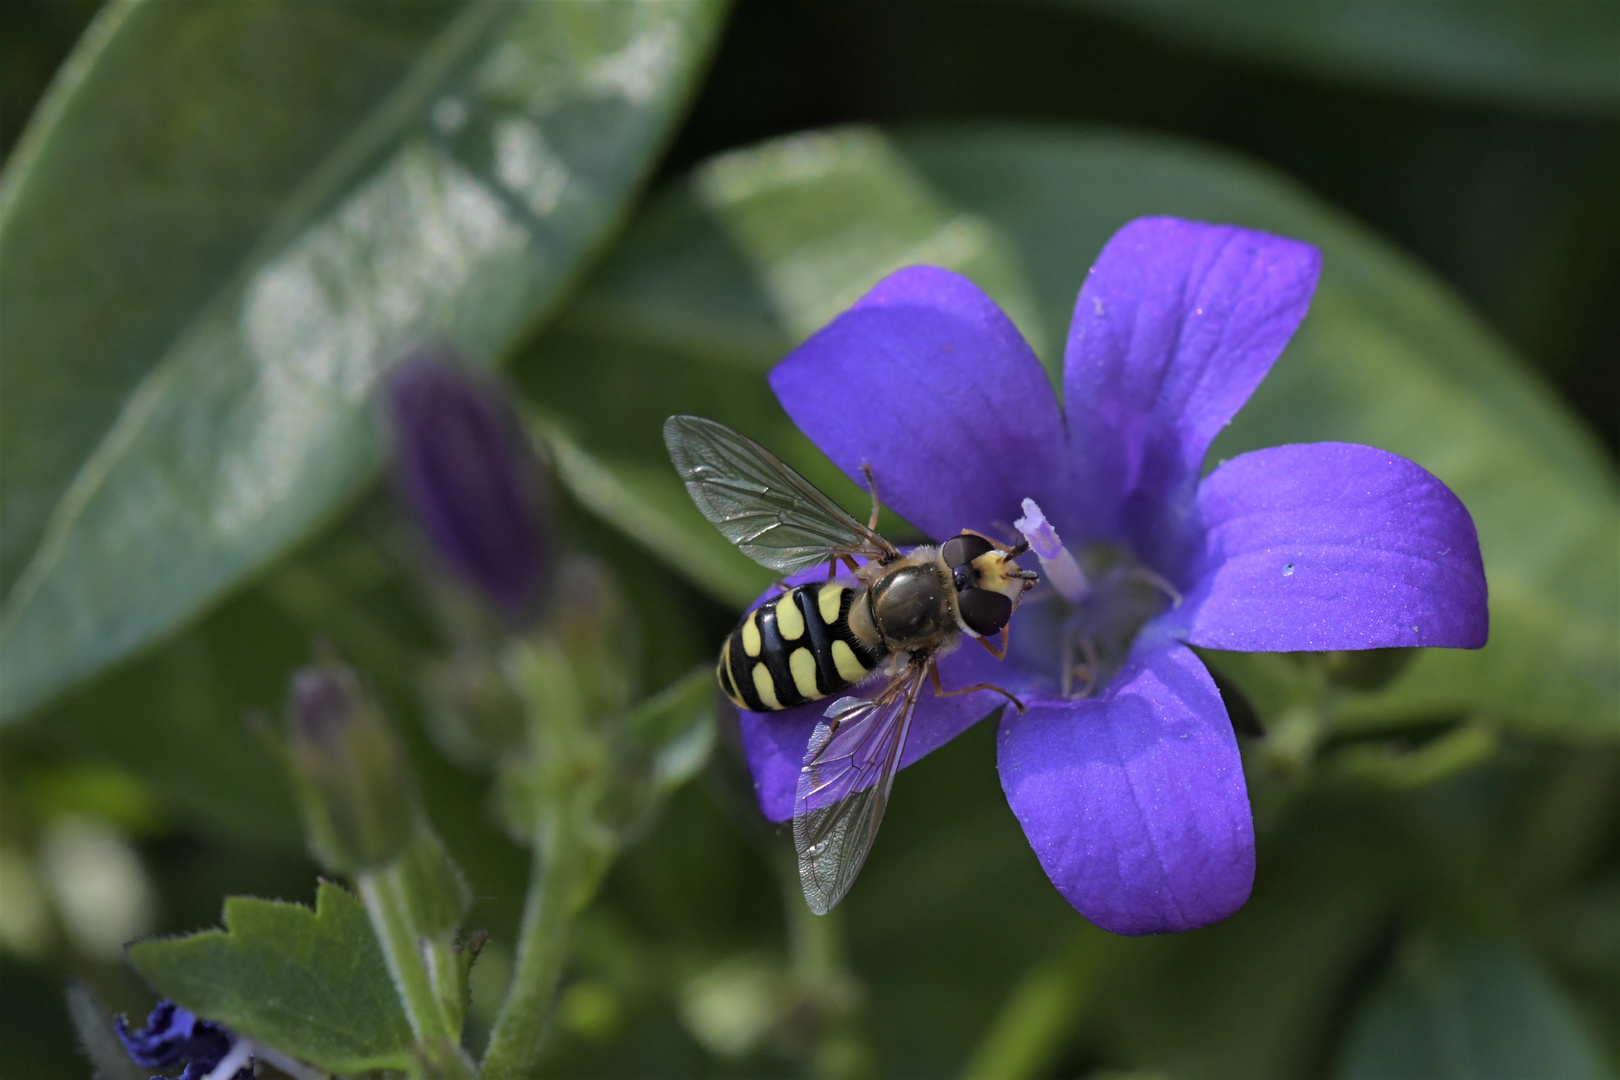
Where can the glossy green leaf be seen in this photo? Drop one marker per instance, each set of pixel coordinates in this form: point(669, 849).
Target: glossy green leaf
point(311, 984)
point(822, 217)
point(1387, 357)
point(1473, 1011)
point(226, 220)
point(1557, 53)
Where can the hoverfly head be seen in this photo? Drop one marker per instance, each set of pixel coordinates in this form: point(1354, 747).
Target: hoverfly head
point(987, 581)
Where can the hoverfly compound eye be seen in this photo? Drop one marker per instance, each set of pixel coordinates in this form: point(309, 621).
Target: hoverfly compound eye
point(963, 549)
point(985, 612)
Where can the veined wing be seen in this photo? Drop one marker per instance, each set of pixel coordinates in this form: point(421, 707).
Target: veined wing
point(775, 516)
point(844, 786)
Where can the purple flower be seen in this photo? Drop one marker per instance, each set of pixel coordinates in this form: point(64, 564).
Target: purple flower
point(172, 1036)
point(471, 479)
point(1124, 771)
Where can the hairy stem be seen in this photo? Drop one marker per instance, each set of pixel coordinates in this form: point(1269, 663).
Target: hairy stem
point(407, 955)
point(554, 881)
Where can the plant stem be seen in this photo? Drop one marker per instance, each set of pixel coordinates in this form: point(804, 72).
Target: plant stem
point(1040, 1017)
point(514, 1043)
point(815, 942)
point(383, 893)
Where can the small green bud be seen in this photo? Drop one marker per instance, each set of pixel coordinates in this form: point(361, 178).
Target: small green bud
point(353, 786)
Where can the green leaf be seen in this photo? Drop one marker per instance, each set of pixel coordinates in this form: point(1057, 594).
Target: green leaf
point(1388, 356)
point(674, 730)
point(311, 984)
point(659, 745)
point(1552, 53)
point(649, 503)
point(1475, 1010)
point(208, 256)
point(193, 694)
point(823, 217)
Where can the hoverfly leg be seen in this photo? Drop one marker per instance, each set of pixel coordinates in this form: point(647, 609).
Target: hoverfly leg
point(871, 485)
point(940, 691)
point(1001, 653)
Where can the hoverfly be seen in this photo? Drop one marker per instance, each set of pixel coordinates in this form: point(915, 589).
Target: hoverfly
point(901, 613)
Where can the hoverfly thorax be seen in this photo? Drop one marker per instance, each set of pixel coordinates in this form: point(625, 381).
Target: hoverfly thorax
point(913, 603)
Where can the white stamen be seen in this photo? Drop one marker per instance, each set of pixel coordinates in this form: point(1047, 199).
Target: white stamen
point(1057, 565)
point(295, 1069)
point(239, 1055)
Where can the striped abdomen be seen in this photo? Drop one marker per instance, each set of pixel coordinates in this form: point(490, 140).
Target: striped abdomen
point(794, 649)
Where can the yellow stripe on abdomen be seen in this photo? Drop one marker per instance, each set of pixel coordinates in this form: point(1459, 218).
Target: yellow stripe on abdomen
point(723, 673)
point(788, 619)
point(829, 601)
point(850, 669)
point(803, 667)
point(765, 688)
point(750, 634)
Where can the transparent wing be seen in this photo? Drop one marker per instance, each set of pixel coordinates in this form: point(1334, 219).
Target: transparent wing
point(844, 787)
point(775, 516)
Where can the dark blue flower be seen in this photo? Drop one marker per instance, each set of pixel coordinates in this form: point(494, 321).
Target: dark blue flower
point(1124, 771)
point(472, 480)
point(173, 1036)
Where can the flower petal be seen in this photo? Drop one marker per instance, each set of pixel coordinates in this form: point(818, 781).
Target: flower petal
point(1330, 546)
point(1134, 801)
point(1174, 328)
point(928, 381)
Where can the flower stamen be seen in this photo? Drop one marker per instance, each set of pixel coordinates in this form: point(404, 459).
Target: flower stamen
point(1087, 671)
point(1058, 566)
point(1162, 584)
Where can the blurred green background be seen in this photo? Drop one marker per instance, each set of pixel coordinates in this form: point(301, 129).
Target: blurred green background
point(636, 208)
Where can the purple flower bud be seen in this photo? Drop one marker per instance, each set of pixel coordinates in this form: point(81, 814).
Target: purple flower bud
point(172, 1035)
point(472, 479)
point(349, 770)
